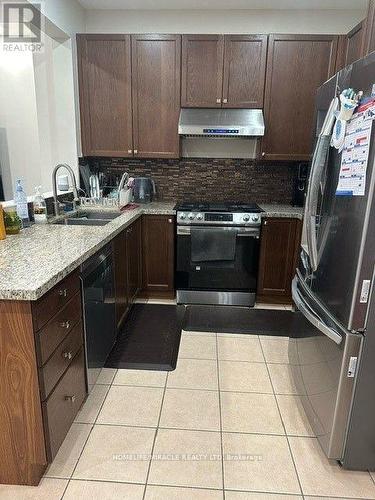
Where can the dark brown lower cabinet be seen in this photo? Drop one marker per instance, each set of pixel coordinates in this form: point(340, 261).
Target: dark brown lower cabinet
point(280, 240)
point(158, 255)
point(43, 379)
point(128, 278)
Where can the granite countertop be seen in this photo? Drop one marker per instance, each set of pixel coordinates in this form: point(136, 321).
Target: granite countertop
point(276, 210)
point(35, 260)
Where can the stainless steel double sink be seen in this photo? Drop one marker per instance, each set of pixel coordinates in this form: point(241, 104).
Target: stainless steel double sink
point(88, 218)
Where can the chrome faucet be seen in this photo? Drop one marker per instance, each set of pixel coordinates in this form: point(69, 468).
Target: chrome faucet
point(56, 202)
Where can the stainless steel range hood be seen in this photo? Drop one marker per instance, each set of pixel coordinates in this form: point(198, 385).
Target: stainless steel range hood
point(221, 122)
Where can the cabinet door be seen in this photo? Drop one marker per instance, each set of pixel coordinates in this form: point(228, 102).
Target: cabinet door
point(244, 70)
point(280, 239)
point(350, 46)
point(133, 249)
point(368, 41)
point(156, 70)
point(121, 277)
point(202, 71)
point(296, 66)
point(105, 94)
point(158, 253)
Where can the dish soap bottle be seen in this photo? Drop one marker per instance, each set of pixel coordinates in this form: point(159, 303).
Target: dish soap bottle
point(21, 204)
point(40, 209)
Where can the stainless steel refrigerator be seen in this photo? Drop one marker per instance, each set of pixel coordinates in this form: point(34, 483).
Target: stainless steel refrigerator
point(333, 358)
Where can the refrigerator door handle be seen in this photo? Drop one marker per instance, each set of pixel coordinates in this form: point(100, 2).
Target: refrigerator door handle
point(317, 166)
point(312, 316)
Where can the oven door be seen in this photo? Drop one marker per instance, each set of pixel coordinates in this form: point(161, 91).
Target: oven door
point(228, 279)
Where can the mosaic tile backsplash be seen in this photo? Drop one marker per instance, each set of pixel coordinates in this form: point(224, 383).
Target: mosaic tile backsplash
point(208, 179)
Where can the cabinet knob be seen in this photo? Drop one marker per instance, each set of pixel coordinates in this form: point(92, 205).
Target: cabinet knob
point(218, 101)
point(130, 151)
point(136, 151)
point(63, 292)
point(65, 324)
point(263, 154)
point(67, 355)
point(225, 101)
point(70, 398)
point(170, 221)
point(265, 223)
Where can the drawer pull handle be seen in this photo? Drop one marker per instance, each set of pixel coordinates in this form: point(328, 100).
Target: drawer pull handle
point(67, 355)
point(63, 292)
point(70, 398)
point(65, 324)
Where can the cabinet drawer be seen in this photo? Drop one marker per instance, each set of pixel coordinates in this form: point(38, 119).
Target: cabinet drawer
point(47, 306)
point(50, 373)
point(57, 329)
point(61, 408)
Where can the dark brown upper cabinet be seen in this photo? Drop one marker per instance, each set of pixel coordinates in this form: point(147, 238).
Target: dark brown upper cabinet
point(156, 69)
point(296, 66)
point(350, 46)
point(223, 71)
point(368, 39)
point(105, 94)
point(244, 71)
point(202, 71)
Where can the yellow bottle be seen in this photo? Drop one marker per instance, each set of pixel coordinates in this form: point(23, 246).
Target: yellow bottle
point(2, 224)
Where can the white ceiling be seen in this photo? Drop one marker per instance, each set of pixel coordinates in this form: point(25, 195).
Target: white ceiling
point(224, 4)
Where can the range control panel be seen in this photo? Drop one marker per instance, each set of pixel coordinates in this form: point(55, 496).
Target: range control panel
point(218, 218)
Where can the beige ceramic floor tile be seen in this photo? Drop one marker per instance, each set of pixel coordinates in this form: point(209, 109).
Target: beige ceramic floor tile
point(275, 349)
point(138, 406)
point(69, 452)
point(320, 476)
point(115, 453)
point(198, 346)
point(293, 416)
point(191, 409)
point(196, 459)
point(245, 377)
point(257, 413)
point(101, 490)
point(171, 493)
point(167, 302)
point(191, 332)
point(326, 498)
point(149, 378)
point(48, 489)
point(106, 376)
point(242, 495)
point(282, 381)
point(276, 307)
point(90, 409)
point(258, 463)
point(194, 374)
point(240, 349)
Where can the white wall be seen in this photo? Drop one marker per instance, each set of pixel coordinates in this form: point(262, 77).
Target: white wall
point(222, 21)
point(19, 137)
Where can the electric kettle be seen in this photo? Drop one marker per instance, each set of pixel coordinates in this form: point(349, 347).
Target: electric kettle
point(143, 189)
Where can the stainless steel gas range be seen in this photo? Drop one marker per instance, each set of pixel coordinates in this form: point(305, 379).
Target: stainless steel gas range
point(217, 253)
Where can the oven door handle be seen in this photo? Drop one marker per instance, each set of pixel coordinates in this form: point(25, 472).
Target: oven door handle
point(253, 232)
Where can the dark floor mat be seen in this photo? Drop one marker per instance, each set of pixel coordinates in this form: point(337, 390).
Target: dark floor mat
point(228, 319)
point(149, 339)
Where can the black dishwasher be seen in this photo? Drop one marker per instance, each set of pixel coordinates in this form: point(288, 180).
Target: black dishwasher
point(97, 276)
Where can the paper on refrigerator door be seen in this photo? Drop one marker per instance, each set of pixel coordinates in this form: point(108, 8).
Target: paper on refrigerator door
point(354, 159)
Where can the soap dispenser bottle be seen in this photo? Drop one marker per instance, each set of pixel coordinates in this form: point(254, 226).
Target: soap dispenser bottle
point(21, 204)
point(40, 208)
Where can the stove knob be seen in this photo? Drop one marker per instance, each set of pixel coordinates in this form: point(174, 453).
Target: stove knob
point(191, 216)
point(199, 216)
point(255, 218)
point(246, 218)
point(182, 216)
